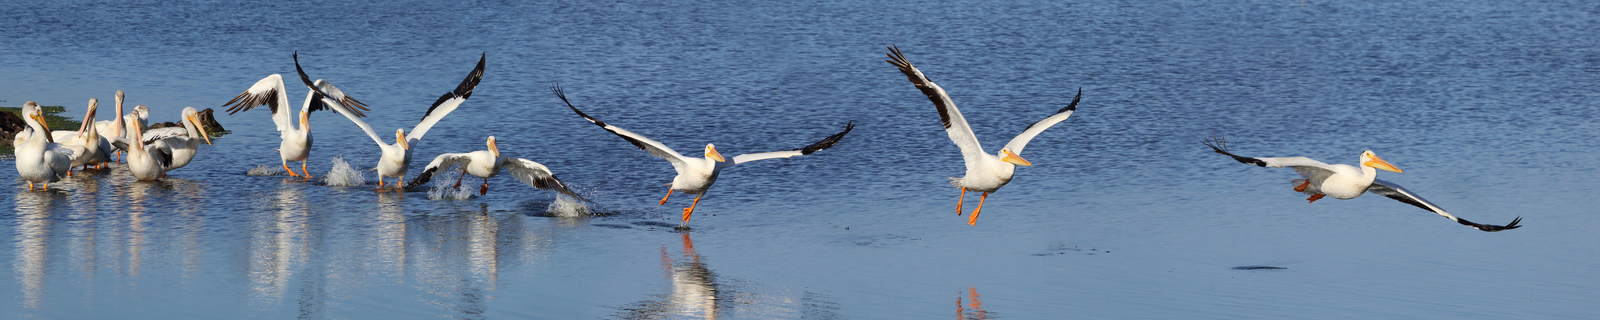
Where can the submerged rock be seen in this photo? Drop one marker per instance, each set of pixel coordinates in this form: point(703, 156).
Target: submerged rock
point(205, 117)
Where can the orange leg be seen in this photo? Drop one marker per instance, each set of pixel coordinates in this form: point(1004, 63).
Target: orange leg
point(974, 219)
point(303, 169)
point(690, 210)
point(1314, 198)
point(664, 199)
point(458, 178)
point(1302, 186)
point(400, 185)
point(30, 185)
point(961, 199)
point(380, 183)
point(483, 190)
point(291, 171)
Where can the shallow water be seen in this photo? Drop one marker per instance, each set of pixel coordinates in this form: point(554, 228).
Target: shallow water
point(1488, 106)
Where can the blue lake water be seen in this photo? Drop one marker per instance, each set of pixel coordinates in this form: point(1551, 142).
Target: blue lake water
point(1489, 107)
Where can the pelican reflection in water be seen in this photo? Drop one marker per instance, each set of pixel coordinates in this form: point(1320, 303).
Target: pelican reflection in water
point(32, 242)
point(694, 289)
point(977, 312)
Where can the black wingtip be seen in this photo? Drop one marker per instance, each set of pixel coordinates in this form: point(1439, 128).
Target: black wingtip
point(1494, 228)
point(1220, 145)
point(1074, 105)
point(424, 177)
point(556, 89)
point(829, 141)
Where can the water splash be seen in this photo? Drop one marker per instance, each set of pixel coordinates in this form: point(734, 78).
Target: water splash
point(566, 206)
point(343, 175)
point(444, 187)
point(264, 170)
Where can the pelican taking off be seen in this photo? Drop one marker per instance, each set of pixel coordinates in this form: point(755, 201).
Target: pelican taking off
point(396, 157)
point(296, 145)
point(487, 163)
point(40, 158)
point(695, 175)
point(1342, 181)
point(985, 172)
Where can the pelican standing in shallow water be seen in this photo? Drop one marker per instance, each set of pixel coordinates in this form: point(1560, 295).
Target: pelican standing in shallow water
point(40, 158)
point(985, 172)
point(88, 147)
point(695, 175)
point(487, 163)
point(296, 145)
point(396, 158)
point(181, 142)
point(146, 164)
point(1342, 181)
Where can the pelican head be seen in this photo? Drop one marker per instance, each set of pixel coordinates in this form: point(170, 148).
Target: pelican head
point(711, 153)
point(88, 118)
point(32, 110)
point(1012, 157)
point(400, 139)
point(193, 117)
point(1370, 159)
point(493, 148)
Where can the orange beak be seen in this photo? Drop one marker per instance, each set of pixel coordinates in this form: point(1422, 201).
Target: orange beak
point(202, 128)
point(1377, 162)
point(494, 148)
point(1013, 158)
point(711, 152)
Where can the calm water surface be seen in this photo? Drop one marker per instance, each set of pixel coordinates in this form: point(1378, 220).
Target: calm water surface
point(1489, 107)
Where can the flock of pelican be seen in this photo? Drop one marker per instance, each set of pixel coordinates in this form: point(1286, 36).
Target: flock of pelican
point(45, 158)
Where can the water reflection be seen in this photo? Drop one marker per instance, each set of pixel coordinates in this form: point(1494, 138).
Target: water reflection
point(32, 241)
point(276, 244)
point(977, 312)
point(694, 289)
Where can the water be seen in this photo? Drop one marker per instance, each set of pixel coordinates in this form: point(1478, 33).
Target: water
point(1488, 106)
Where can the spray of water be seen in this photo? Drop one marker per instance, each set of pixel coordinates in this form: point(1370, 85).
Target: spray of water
point(342, 175)
point(264, 170)
point(566, 206)
point(444, 187)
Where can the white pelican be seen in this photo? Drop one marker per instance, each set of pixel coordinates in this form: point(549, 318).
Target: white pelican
point(487, 163)
point(695, 175)
point(396, 158)
point(113, 130)
point(88, 147)
point(985, 172)
point(1342, 181)
point(146, 163)
point(181, 142)
point(40, 159)
point(296, 145)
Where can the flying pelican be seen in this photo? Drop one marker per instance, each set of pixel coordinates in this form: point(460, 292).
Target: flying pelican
point(296, 145)
point(487, 163)
point(985, 172)
point(40, 158)
point(181, 142)
point(1342, 181)
point(695, 175)
point(396, 157)
point(146, 164)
